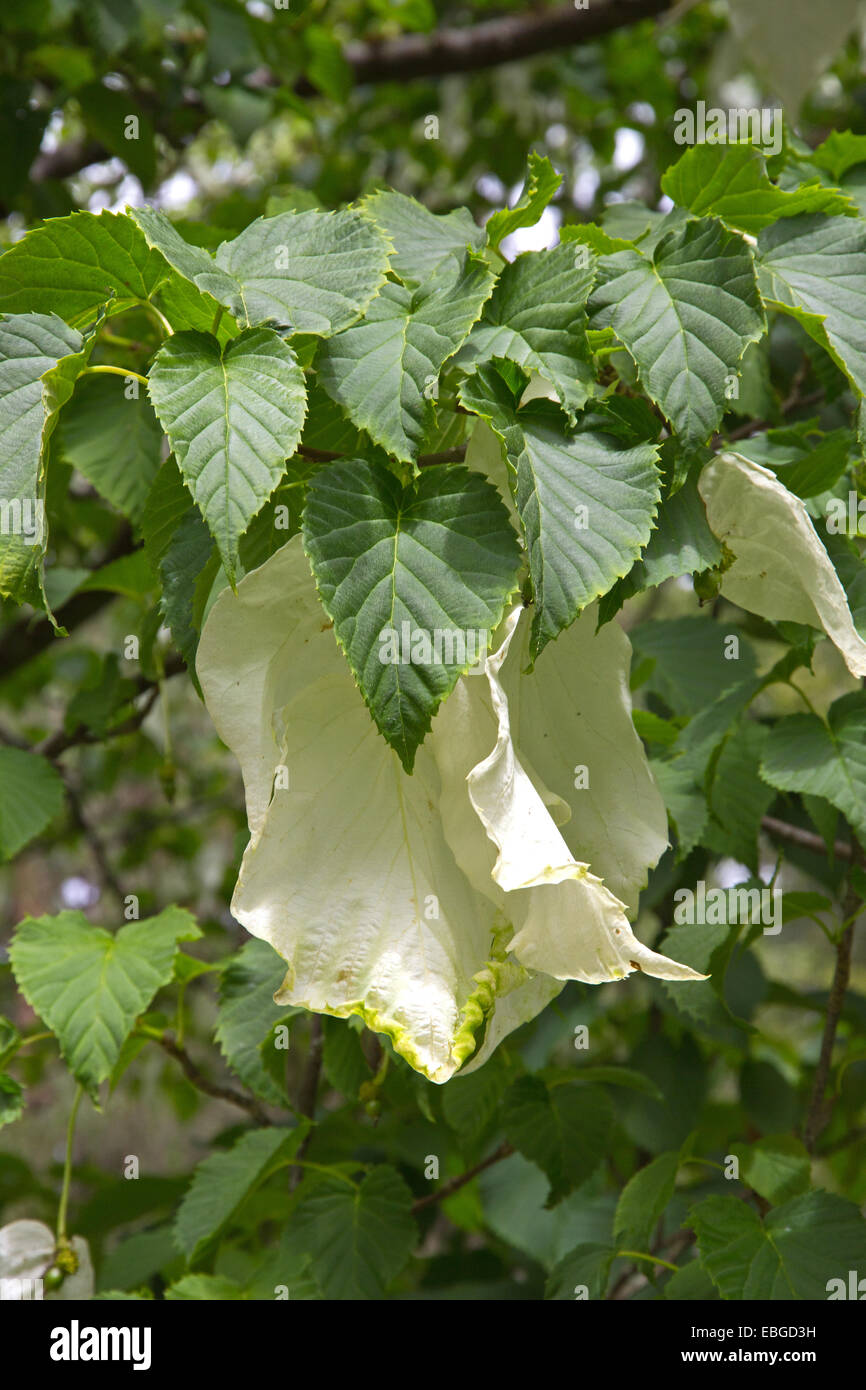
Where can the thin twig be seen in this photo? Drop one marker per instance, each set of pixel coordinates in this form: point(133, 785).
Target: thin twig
point(454, 1184)
point(309, 1090)
point(97, 849)
point(212, 1088)
point(819, 1110)
point(805, 839)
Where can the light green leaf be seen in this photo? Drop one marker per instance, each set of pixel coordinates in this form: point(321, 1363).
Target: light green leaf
point(31, 795)
point(112, 441)
point(11, 1099)
point(686, 315)
point(565, 1130)
point(731, 182)
point(358, 1237)
point(803, 754)
point(384, 370)
point(814, 268)
point(535, 317)
point(204, 1288)
point(840, 152)
point(438, 555)
point(794, 1253)
point(781, 570)
point(31, 347)
point(247, 1013)
point(313, 272)
point(89, 986)
point(222, 1183)
point(585, 499)
point(423, 242)
point(233, 417)
point(542, 181)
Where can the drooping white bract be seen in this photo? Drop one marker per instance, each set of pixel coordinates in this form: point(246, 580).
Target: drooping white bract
point(376, 887)
point(782, 571)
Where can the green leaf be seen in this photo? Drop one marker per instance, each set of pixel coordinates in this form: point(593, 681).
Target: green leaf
point(423, 242)
point(106, 111)
point(565, 1130)
point(247, 1013)
point(325, 66)
point(31, 346)
point(708, 948)
point(643, 1200)
point(738, 798)
point(681, 543)
point(187, 555)
point(535, 317)
point(686, 315)
point(384, 370)
point(585, 1267)
point(691, 1283)
point(112, 440)
point(814, 268)
point(233, 417)
point(72, 266)
point(793, 1254)
point(542, 181)
point(692, 662)
point(359, 1237)
point(805, 459)
point(11, 1100)
point(313, 272)
point(438, 555)
point(221, 1184)
point(731, 181)
point(89, 986)
point(31, 795)
point(470, 1103)
point(803, 754)
point(684, 801)
point(586, 500)
point(168, 502)
point(343, 1061)
point(777, 1167)
point(192, 263)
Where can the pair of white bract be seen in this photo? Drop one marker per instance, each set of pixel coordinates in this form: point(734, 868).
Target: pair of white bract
point(447, 908)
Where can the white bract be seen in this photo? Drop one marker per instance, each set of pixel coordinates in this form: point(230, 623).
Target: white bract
point(383, 892)
point(781, 571)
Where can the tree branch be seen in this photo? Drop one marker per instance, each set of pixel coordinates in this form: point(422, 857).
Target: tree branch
point(804, 839)
point(471, 48)
point(507, 39)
